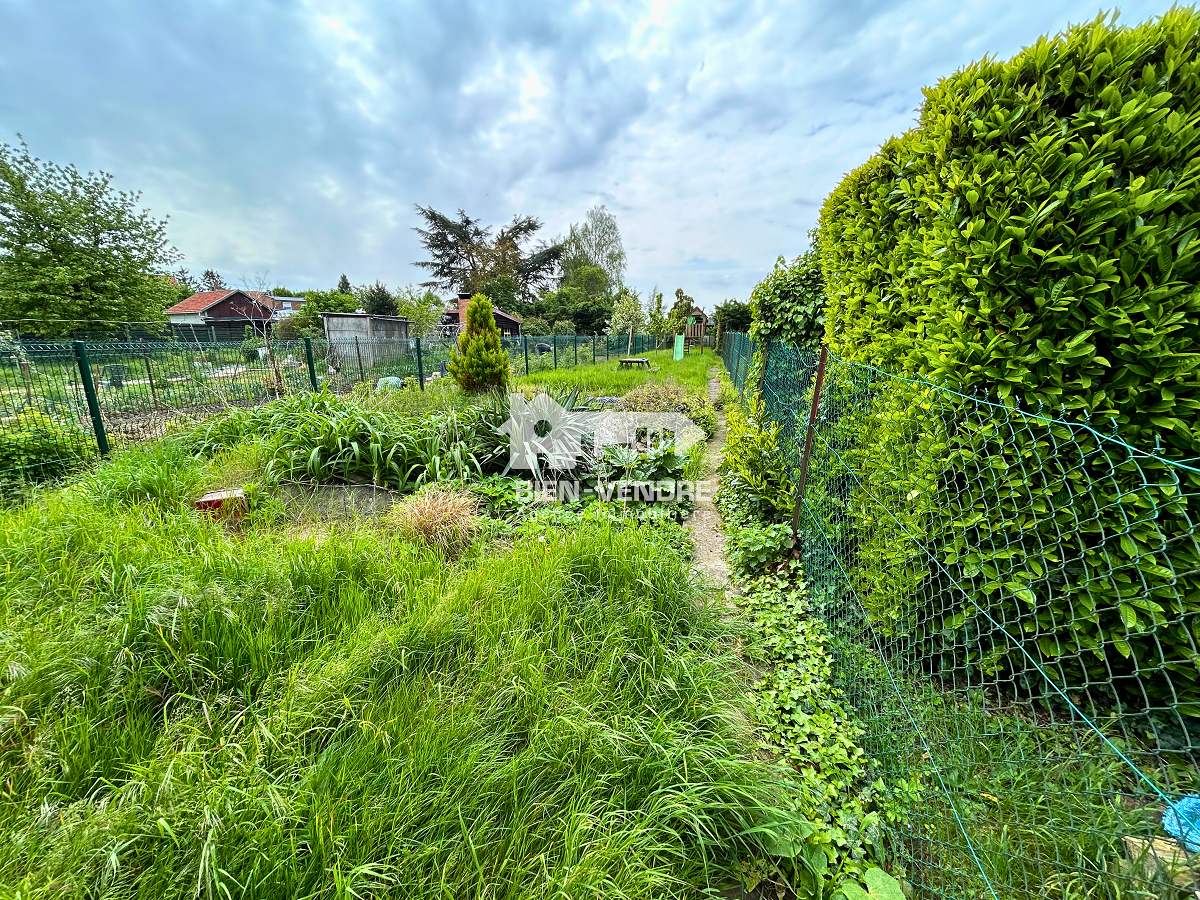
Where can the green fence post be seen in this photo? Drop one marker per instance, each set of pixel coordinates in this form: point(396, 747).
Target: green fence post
point(312, 366)
point(575, 342)
point(525, 346)
point(554, 343)
point(420, 366)
point(89, 391)
point(593, 349)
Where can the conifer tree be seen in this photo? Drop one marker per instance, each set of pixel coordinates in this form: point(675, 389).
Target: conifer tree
point(480, 363)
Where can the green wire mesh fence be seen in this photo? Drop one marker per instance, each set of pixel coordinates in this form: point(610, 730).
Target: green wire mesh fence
point(64, 403)
point(1012, 607)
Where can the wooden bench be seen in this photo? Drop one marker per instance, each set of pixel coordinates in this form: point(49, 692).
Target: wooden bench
point(631, 362)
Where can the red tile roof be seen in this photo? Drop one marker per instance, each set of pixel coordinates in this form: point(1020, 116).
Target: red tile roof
point(204, 299)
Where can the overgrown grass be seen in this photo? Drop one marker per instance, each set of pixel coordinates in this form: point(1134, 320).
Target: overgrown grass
point(604, 378)
point(190, 710)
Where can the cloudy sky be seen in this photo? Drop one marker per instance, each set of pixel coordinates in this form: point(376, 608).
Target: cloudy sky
point(293, 138)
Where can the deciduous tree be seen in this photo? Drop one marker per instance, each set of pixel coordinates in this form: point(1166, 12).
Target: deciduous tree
point(75, 251)
point(423, 309)
point(627, 313)
point(595, 242)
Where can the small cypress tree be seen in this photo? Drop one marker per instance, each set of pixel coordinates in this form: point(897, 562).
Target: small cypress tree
point(480, 363)
point(344, 285)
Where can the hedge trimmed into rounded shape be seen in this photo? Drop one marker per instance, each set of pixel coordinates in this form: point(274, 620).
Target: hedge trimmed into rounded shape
point(1036, 233)
point(1035, 237)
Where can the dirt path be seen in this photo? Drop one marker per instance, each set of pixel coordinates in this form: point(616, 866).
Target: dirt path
point(704, 522)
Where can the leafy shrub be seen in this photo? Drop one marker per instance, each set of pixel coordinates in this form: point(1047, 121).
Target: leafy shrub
point(535, 326)
point(1036, 234)
point(34, 447)
point(788, 305)
point(756, 481)
point(480, 363)
point(669, 396)
point(563, 326)
point(1035, 237)
point(251, 344)
point(753, 548)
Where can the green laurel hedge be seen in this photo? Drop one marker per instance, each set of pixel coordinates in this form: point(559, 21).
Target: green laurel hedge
point(1036, 233)
point(1035, 237)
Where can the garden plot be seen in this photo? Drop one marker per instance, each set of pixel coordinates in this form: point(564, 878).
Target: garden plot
point(448, 695)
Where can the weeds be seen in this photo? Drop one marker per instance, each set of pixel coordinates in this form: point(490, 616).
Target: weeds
point(194, 712)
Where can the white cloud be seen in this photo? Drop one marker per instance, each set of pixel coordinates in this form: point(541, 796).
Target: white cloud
point(297, 139)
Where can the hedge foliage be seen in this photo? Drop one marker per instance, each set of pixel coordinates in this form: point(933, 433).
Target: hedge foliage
point(1036, 233)
point(788, 305)
point(1034, 238)
point(34, 447)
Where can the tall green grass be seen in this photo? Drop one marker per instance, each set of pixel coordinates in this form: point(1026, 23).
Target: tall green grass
point(190, 711)
point(604, 378)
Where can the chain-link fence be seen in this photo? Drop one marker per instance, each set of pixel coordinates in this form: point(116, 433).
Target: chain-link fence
point(1011, 600)
point(63, 403)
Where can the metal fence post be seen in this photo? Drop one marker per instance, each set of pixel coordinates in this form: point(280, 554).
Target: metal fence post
point(554, 343)
point(593, 349)
point(737, 363)
point(362, 376)
point(150, 375)
point(762, 376)
point(575, 342)
point(525, 347)
point(312, 366)
point(802, 481)
point(420, 366)
point(89, 391)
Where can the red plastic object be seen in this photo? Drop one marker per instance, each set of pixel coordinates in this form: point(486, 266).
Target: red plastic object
point(230, 500)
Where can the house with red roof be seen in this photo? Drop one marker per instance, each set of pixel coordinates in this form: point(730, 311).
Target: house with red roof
point(224, 315)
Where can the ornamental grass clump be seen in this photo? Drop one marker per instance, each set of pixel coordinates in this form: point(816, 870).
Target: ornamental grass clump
point(480, 363)
point(439, 517)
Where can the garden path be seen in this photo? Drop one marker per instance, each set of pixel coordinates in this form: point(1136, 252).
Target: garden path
point(704, 522)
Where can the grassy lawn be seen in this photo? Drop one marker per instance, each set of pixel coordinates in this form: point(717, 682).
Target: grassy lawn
point(605, 378)
point(290, 705)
